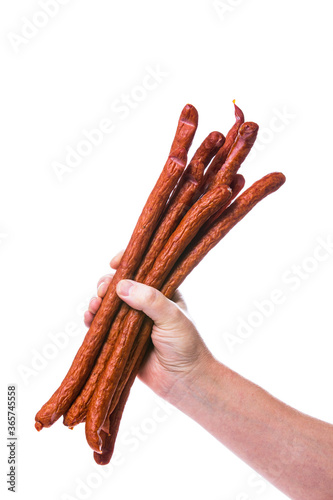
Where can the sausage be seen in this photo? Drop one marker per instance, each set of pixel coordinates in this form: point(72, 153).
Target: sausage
point(236, 186)
point(106, 386)
point(77, 412)
point(139, 350)
point(185, 193)
point(222, 154)
point(198, 249)
point(139, 344)
point(114, 418)
point(203, 155)
point(187, 126)
point(242, 146)
point(211, 234)
point(83, 362)
point(166, 244)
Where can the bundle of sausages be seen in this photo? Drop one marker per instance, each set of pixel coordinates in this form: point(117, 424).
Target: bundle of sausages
point(190, 209)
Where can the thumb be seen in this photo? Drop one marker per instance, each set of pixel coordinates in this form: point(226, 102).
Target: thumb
point(161, 310)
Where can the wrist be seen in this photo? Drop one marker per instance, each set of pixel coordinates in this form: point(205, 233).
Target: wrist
point(195, 387)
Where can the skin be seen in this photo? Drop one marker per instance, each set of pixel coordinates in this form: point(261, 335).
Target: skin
point(290, 449)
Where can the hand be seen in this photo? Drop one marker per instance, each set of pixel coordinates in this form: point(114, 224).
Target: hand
point(179, 352)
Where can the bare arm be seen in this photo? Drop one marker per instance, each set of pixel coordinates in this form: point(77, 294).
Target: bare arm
point(290, 449)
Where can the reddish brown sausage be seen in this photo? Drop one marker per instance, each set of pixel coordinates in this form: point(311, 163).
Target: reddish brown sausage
point(210, 235)
point(197, 250)
point(83, 362)
point(187, 126)
point(106, 386)
point(222, 154)
point(184, 195)
point(242, 146)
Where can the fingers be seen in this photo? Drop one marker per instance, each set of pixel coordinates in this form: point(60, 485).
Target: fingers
point(147, 299)
point(93, 307)
point(103, 284)
point(161, 310)
point(115, 261)
point(95, 302)
point(88, 317)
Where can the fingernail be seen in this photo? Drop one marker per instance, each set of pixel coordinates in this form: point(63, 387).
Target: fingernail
point(99, 289)
point(124, 287)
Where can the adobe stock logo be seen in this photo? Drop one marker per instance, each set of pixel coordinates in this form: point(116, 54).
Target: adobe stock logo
point(40, 357)
point(281, 118)
point(30, 28)
point(292, 280)
point(129, 441)
point(225, 7)
point(254, 487)
point(3, 237)
point(121, 108)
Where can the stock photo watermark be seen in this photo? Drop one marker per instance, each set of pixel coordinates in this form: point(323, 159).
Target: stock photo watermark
point(292, 280)
point(130, 441)
point(41, 357)
point(3, 237)
point(285, 458)
point(121, 108)
point(281, 118)
point(225, 7)
point(12, 437)
point(31, 27)
point(255, 486)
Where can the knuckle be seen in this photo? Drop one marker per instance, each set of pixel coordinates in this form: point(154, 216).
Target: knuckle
point(150, 295)
point(177, 314)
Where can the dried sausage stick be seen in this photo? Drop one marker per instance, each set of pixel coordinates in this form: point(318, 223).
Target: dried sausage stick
point(222, 154)
point(78, 410)
point(207, 239)
point(187, 126)
point(236, 186)
point(185, 232)
point(204, 154)
point(181, 200)
point(85, 358)
point(113, 421)
point(199, 247)
point(83, 362)
point(187, 229)
point(183, 197)
point(138, 350)
point(242, 146)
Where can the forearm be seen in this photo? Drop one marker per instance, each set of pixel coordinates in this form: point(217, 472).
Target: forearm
point(291, 450)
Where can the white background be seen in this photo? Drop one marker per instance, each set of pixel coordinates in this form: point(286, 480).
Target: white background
point(58, 233)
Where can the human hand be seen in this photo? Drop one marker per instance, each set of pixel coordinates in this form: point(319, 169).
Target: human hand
point(178, 354)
